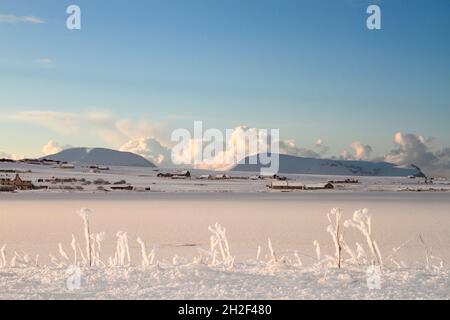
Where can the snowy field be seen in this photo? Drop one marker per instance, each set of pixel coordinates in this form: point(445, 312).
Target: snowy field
point(244, 281)
point(178, 260)
point(84, 180)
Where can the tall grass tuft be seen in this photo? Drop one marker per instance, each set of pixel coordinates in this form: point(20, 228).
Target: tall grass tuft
point(84, 214)
point(219, 246)
point(334, 229)
point(362, 222)
point(3, 256)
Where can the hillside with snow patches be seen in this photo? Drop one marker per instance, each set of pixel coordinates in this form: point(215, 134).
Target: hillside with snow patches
point(100, 156)
point(299, 165)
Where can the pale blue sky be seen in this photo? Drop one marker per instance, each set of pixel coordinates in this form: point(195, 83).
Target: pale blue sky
point(310, 68)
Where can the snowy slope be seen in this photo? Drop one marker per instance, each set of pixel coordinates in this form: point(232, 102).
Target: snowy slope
point(298, 165)
point(100, 156)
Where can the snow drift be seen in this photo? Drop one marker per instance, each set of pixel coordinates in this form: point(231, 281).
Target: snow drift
point(100, 156)
point(299, 165)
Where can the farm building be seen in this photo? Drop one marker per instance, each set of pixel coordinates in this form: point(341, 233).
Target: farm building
point(67, 166)
point(186, 174)
point(175, 175)
point(126, 188)
point(286, 185)
point(164, 175)
point(205, 177)
point(222, 177)
point(320, 186)
point(17, 183)
point(272, 176)
point(7, 188)
point(344, 181)
point(30, 161)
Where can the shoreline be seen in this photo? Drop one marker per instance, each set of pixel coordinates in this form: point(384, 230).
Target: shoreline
point(227, 196)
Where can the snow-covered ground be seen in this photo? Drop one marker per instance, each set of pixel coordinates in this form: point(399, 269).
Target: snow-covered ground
point(142, 178)
point(244, 281)
point(412, 231)
point(176, 258)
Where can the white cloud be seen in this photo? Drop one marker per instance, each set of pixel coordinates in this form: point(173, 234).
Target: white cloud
point(53, 147)
point(417, 150)
point(144, 137)
point(443, 162)
point(133, 136)
point(233, 151)
point(149, 148)
point(61, 122)
point(362, 152)
point(411, 149)
point(321, 147)
point(345, 155)
point(237, 148)
point(112, 130)
point(11, 18)
point(41, 62)
point(12, 156)
point(44, 62)
point(4, 155)
point(289, 147)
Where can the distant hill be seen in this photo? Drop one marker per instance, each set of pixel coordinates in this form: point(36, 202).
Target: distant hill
point(298, 165)
point(100, 156)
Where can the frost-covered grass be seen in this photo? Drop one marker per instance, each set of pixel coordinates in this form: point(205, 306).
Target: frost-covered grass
point(215, 273)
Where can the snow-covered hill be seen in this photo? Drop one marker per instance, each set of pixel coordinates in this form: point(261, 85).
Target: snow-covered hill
point(100, 156)
point(298, 165)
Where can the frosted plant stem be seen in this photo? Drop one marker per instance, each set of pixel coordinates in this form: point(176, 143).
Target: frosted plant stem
point(427, 251)
point(145, 261)
point(258, 253)
point(334, 230)
point(63, 253)
point(73, 244)
point(362, 222)
point(88, 241)
point(272, 252)
point(3, 256)
point(81, 254)
point(84, 213)
point(316, 244)
point(127, 249)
